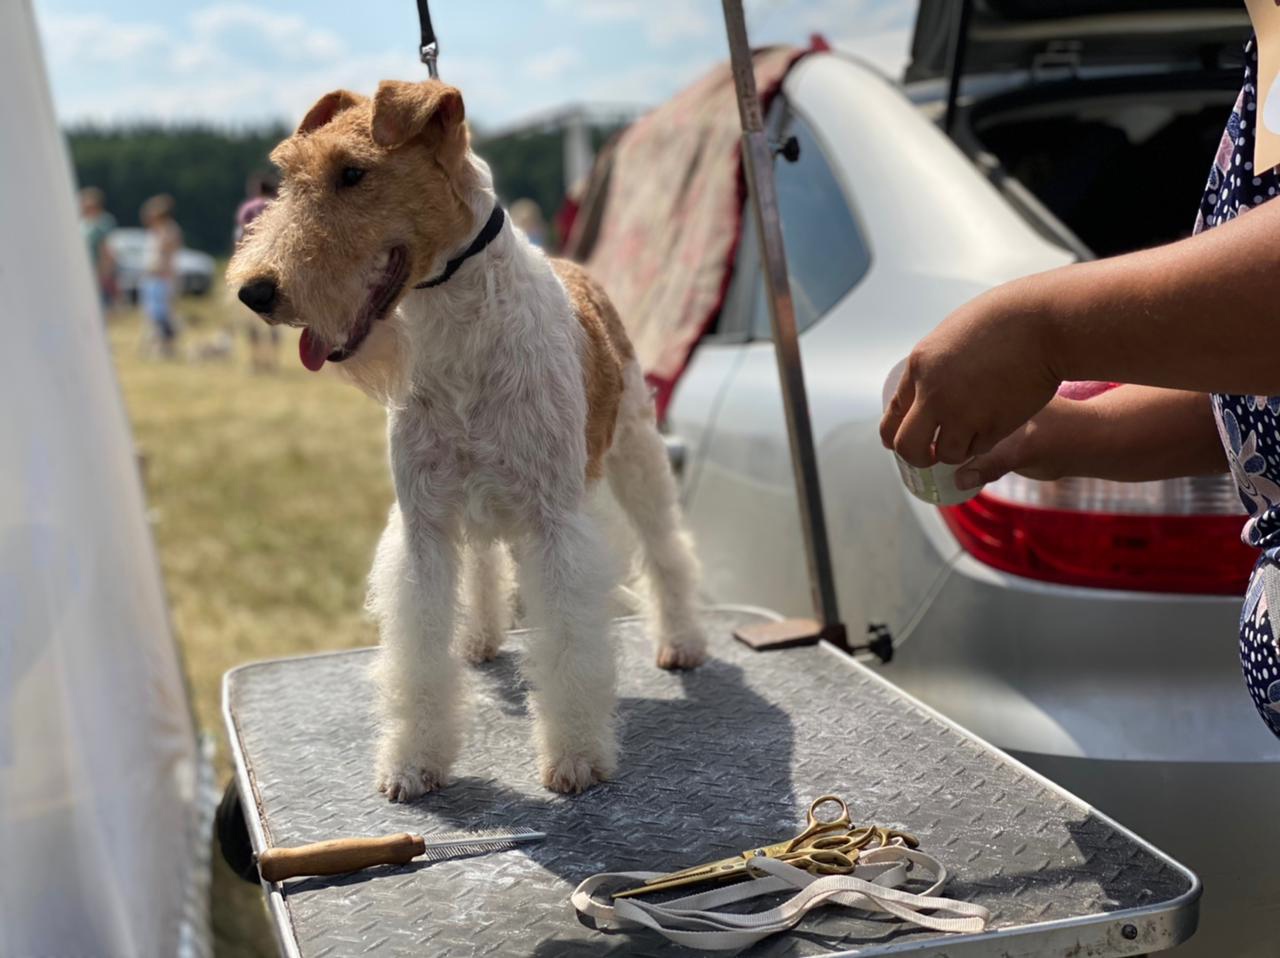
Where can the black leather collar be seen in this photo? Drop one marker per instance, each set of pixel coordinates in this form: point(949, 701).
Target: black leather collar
point(492, 227)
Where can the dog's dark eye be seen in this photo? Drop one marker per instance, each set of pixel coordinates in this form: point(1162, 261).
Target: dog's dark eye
point(350, 176)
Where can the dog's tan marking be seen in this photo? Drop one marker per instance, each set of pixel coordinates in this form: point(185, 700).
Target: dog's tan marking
point(608, 350)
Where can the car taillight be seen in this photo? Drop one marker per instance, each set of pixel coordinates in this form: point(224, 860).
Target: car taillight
point(1179, 535)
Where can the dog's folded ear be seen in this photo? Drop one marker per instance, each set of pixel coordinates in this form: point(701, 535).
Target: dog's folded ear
point(327, 107)
point(403, 111)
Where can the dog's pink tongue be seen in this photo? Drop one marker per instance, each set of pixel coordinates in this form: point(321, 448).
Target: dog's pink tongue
point(312, 351)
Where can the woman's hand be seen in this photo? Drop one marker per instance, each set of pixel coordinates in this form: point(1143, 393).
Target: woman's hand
point(1129, 434)
point(1041, 448)
point(975, 379)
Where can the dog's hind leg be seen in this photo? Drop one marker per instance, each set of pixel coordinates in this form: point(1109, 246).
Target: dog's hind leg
point(412, 594)
point(641, 480)
point(566, 579)
point(487, 584)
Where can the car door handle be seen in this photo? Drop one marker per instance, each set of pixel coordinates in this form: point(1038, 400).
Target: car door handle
point(677, 453)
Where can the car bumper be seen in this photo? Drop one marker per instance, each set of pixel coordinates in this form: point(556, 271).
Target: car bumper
point(1084, 673)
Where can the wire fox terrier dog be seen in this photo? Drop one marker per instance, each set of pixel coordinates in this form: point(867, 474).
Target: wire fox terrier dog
point(510, 388)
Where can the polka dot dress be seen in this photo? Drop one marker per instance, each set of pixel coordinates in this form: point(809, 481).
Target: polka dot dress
point(1250, 425)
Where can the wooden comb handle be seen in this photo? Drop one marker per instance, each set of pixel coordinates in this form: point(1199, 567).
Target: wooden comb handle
point(338, 855)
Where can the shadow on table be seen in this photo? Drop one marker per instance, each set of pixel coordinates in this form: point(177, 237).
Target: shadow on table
point(699, 772)
point(1105, 873)
point(701, 775)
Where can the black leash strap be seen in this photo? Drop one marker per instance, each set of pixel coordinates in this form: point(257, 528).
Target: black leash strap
point(429, 49)
point(492, 227)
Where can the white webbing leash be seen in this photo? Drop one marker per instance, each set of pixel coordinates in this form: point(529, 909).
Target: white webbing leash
point(695, 921)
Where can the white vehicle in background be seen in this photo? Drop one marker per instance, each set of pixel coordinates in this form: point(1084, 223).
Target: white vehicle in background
point(1087, 627)
point(128, 246)
point(103, 789)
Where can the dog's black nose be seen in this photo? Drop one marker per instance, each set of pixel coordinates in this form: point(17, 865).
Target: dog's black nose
point(259, 296)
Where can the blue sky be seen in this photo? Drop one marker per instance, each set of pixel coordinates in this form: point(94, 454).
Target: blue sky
point(231, 61)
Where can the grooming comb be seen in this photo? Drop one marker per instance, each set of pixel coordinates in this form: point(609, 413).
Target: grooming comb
point(341, 855)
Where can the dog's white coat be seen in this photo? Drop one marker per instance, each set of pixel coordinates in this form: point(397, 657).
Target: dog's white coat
point(487, 426)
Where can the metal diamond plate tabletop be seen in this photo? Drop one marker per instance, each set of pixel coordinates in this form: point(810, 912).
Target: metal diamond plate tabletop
point(712, 761)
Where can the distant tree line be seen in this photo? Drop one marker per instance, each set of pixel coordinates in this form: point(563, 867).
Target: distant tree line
point(206, 168)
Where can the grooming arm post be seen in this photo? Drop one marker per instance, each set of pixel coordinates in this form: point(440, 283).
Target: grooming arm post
point(757, 158)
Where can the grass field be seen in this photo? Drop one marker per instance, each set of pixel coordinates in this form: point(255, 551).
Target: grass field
point(267, 493)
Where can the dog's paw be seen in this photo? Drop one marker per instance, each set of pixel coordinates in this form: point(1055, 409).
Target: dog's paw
point(680, 657)
point(480, 646)
point(406, 782)
point(404, 774)
point(571, 774)
point(685, 650)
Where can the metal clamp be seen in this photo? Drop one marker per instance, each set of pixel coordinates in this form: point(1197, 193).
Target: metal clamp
point(429, 53)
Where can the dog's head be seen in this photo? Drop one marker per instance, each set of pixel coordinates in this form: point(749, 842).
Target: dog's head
point(372, 196)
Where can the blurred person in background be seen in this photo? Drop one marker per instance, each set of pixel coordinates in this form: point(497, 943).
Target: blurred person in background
point(567, 215)
point(96, 224)
point(260, 189)
point(164, 240)
point(527, 215)
point(264, 340)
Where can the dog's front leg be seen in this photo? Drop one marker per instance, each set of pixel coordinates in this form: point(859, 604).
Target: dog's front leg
point(413, 594)
point(567, 579)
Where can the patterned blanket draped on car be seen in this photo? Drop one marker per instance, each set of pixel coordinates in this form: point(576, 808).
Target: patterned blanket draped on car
point(663, 212)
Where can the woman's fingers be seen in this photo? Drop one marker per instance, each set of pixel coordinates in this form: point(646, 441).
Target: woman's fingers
point(910, 428)
point(954, 444)
point(914, 439)
point(1008, 455)
point(903, 397)
point(983, 469)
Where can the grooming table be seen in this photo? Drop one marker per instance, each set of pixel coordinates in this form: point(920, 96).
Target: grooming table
point(712, 761)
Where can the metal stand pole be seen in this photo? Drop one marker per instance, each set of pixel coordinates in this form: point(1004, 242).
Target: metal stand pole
point(955, 66)
point(757, 158)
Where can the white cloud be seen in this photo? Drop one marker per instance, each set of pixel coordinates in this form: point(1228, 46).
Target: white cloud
point(678, 22)
point(645, 83)
point(663, 21)
point(94, 39)
point(553, 63)
point(207, 71)
point(241, 91)
point(235, 61)
point(289, 37)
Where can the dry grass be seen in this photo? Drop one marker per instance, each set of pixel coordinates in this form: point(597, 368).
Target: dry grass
point(267, 494)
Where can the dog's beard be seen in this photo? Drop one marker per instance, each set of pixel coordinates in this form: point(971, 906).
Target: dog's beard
point(380, 368)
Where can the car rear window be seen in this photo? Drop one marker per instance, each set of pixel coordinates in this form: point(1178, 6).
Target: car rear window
point(826, 254)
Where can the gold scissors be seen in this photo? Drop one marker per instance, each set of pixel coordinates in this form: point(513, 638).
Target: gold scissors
point(827, 846)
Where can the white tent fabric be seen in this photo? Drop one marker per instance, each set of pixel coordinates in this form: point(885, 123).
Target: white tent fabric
point(98, 755)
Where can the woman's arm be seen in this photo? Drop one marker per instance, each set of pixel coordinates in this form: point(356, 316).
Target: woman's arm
point(1201, 314)
point(1130, 434)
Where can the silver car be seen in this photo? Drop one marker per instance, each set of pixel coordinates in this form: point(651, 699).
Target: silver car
point(128, 245)
point(1087, 627)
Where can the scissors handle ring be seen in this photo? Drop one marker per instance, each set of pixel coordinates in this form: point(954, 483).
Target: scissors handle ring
point(819, 826)
point(839, 843)
point(841, 819)
point(824, 861)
